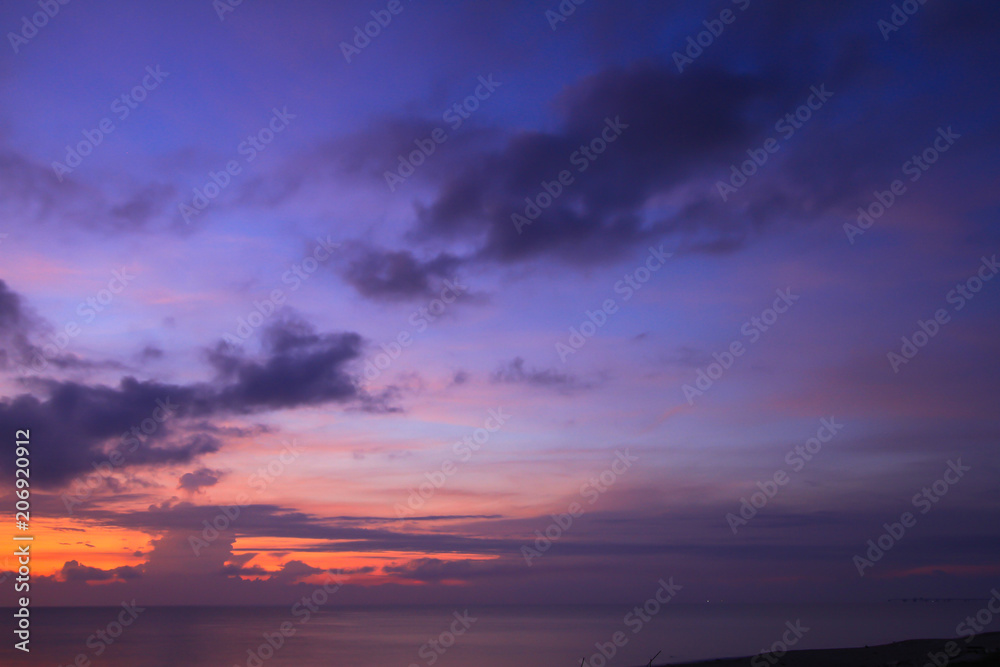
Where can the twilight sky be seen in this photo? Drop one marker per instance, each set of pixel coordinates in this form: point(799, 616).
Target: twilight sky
point(539, 264)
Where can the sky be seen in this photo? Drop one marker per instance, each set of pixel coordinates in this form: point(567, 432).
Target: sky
point(518, 302)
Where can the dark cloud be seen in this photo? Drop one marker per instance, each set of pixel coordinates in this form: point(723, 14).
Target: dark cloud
point(11, 314)
point(17, 325)
point(515, 372)
point(73, 571)
point(199, 479)
point(671, 128)
point(435, 570)
point(32, 191)
point(397, 275)
point(143, 206)
point(301, 367)
point(142, 420)
point(151, 353)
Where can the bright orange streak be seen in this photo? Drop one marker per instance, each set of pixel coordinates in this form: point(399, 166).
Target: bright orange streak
point(60, 540)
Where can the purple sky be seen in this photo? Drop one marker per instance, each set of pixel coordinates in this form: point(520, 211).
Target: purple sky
point(488, 226)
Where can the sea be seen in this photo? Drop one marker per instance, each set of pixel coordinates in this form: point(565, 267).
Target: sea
point(483, 636)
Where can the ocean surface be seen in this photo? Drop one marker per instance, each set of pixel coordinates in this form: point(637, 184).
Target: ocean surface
point(490, 637)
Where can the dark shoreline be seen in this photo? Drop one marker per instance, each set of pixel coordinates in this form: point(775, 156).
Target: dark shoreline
point(909, 653)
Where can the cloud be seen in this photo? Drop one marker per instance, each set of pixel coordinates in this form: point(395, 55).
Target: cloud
point(199, 479)
point(397, 275)
point(602, 214)
point(515, 372)
point(73, 571)
point(17, 324)
point(143, 205)
point(435, 570)
point(297, 367)
point(301, 367)
point(151, 353)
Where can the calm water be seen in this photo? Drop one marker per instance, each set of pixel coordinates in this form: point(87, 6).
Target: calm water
point(500, 636)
